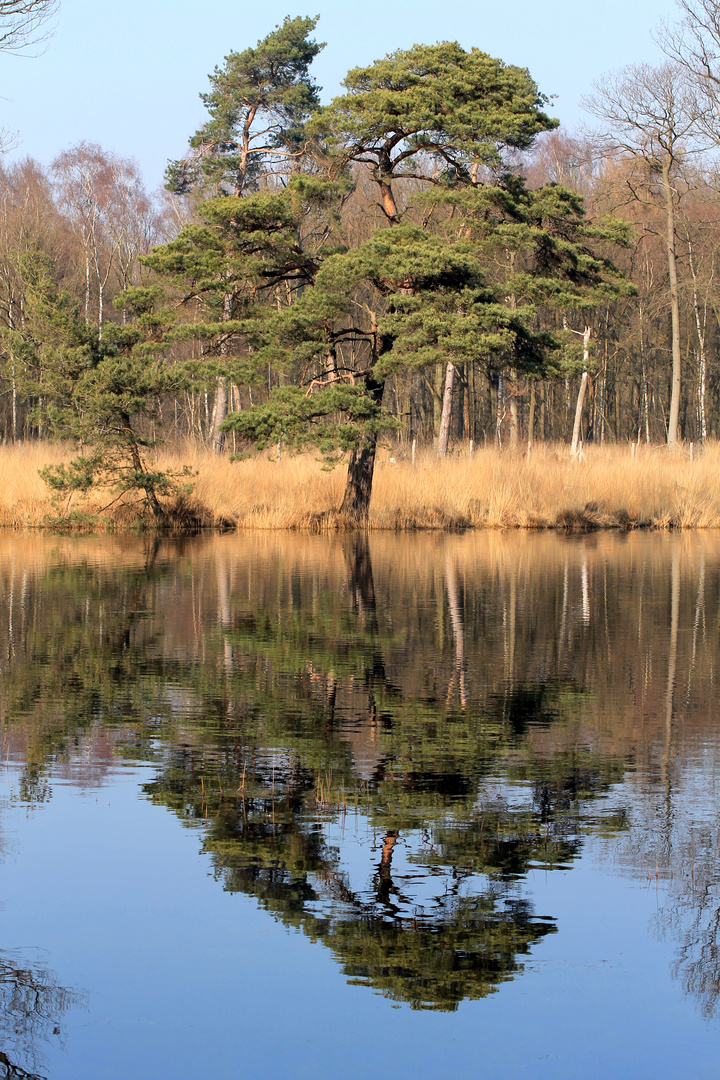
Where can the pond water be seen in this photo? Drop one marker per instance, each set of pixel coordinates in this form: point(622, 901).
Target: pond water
point(427, 806)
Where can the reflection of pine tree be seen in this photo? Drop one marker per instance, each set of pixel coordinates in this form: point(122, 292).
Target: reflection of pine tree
point(258, 696)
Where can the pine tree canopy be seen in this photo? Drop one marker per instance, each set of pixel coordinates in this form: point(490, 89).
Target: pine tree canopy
point(459, 107)
point(258, 103)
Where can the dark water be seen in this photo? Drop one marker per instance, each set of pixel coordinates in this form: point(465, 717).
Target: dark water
point(276, 806)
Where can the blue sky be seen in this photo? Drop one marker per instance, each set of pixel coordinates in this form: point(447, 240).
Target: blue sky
point(127, 74)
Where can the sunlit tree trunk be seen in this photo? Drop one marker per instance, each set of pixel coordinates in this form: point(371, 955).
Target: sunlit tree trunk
point(445, 416)
point(217, 438)
point(673, 421)
point(220, 411)
point(577, 427)
point(500, 417)
point(702, 356)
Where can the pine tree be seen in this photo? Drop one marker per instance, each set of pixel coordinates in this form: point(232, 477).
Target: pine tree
point(453, 108)
point(104, 395)
point(258, 103)
point(412, 298)
point(230, 271)
point(441, 104)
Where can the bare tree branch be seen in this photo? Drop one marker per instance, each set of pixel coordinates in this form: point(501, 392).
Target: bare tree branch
point(24, 23)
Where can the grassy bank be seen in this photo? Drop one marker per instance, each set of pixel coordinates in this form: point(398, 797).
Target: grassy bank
point(610, 488)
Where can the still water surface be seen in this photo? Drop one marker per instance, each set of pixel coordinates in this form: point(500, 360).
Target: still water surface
point(277, 806)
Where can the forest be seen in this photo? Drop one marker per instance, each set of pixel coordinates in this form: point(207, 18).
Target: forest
point(426, 263)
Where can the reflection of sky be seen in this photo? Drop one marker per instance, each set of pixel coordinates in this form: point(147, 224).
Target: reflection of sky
point(187, 980)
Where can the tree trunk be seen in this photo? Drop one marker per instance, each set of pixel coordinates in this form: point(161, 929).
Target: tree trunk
point(355, 508)
point(444, 433)
point(219, 413)
point(149, 489)
point(438, 386)
point(388, 202)
point(531, 416)
point(578, 415)
point(221, 391)
point(672, 435)
point(577, 427)
point(466, 431)
point(590, 431)
point(702, 411)
point(514, 431)
point(500, 417)
point(87, 288)
point(14, 406)
point(700, 322)
point(11, 325)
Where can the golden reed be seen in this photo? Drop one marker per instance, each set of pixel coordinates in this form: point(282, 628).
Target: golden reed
point(611, 487)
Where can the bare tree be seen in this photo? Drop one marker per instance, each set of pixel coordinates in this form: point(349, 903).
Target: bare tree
point(559, 158)
point(79, 174)
point(30, 251)
point(105, 201)
point(23, 22)
point(131, 218)
point(653, 116)
point(694, 45)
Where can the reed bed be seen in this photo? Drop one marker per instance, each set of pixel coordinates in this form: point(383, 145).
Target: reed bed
point(609, 487)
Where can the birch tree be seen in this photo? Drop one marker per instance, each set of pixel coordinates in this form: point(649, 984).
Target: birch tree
point(83, 176)
point(653, 116)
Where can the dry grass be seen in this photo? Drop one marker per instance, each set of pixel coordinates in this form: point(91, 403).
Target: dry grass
point(610, 488)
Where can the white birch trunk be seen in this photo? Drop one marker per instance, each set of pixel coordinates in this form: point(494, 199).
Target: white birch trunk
point(444, 433)
point(577, 427)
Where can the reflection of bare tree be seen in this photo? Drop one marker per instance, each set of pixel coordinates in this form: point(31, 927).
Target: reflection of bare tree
point(456, 618)
point(585, 591)
point(672, 659)
point(697, 622)
point(698, 962)
point(224, 613)
point(691, 911)
point(667, 839)
point(31, 1007)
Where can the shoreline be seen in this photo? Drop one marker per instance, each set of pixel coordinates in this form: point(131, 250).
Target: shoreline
point(612, 488)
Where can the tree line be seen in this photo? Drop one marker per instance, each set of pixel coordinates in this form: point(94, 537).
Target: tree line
point(425, 259)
